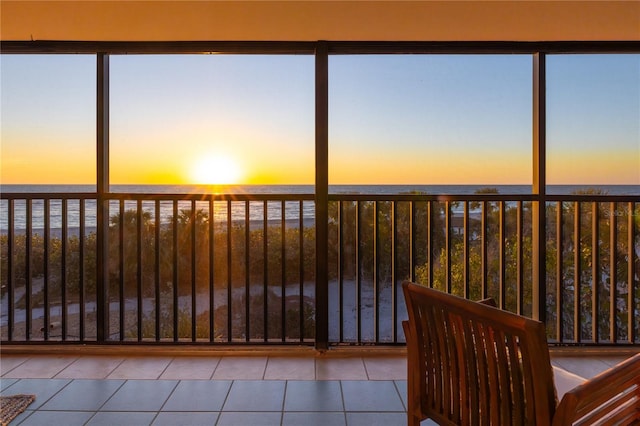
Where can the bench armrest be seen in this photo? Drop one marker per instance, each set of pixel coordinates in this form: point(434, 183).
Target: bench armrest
point(612, 397)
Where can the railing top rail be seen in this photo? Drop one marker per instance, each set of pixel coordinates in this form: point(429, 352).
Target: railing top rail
point(153, 197)
point(594, 198)
point(431, 197)
point(310, 197)
point(48, 196)
point(209, 196)
point(483, 197)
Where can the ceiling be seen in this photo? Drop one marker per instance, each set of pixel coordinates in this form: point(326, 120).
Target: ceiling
point(477, 20)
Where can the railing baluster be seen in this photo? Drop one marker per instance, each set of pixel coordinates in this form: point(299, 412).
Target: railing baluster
point(519, 260)
point(63, 268)
point(358, 273)
point(447, 245)
point(247, 274)
point(47, 229)
point(412, 242)
point(176, 300)
point(341, 268)
point(81, 272)
point(613, 272)
point(502, 255)
point(577, 267)
point(283, 269)
point(376, 307)
point(29, 283)
point(301, 265)
point(212, 287)
point(465, 248)
point(10, 269)
point(484, 256)
point(194, 287)
point(122, 300)
point(394, 262)
point(595, 272)
point(265, 271)
point(632, 323)
point(156, 243)
point(229, 273)
point(139, 269)
point(560, 272)
point(430, 253)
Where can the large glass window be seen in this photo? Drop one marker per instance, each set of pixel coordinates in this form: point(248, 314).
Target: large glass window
point(48, 105)
point(212, 120)
point(593, 123)
point(416, 120)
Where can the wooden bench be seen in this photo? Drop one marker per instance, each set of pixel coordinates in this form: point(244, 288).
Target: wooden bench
point(470, 363)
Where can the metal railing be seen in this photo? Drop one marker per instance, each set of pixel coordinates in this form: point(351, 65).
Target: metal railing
point(238, 269)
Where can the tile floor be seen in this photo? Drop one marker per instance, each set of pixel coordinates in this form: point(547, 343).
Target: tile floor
point(228, 390)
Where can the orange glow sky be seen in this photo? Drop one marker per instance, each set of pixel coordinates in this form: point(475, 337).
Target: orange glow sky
point(250, 119)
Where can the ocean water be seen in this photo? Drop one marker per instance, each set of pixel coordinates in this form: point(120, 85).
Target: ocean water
point(238, 209)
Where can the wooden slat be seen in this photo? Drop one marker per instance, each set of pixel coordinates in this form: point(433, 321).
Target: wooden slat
point(494, 384)
point(487, 366)
point(503, 378)
point(473, 384)
point(427, 359)
point(483, 374)
point(622, 406)
point(471, 361)
point(516, 380)
point(439, 365)
point(458, 379)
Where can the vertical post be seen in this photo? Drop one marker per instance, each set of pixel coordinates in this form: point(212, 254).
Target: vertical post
point(102, 187)
point(539, 252)
point(322, 195)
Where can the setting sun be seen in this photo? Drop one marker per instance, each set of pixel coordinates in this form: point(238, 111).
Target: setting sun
point(215, 170)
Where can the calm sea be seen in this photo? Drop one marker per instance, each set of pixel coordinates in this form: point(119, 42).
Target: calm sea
point(256, 211)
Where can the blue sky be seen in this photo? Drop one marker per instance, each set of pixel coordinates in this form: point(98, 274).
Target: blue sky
point(396, 119)
point(442, 119)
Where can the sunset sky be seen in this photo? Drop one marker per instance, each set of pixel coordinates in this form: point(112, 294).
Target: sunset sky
point(396, 119)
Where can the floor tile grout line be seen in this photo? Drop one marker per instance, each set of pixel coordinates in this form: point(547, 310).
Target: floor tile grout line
point(112, 394)
point(65, 367)
point(115, 368)
point(14, 367)
point(226, 397)
point(266, 365)
point(166, 399)
point(213, 373)
point(344, 405)
point(395, 384)
point(284, 399)
point(165, 368)
point(4, 389)
point(215, 368)
point(366, 370)
point(105, 402)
